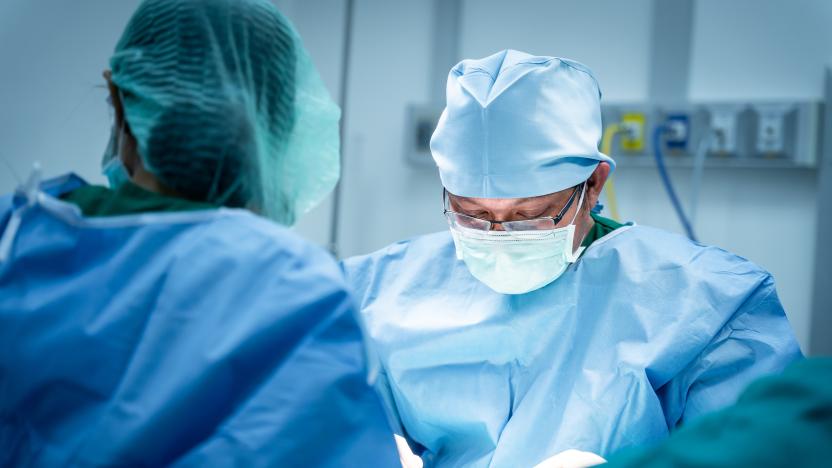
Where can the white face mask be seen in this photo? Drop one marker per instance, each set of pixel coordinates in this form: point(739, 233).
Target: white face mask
point(517, 262)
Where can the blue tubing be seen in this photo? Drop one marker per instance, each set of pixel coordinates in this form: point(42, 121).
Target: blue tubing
point(668, 185)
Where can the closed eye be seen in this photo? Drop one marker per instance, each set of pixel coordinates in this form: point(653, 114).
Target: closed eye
point(532, 215)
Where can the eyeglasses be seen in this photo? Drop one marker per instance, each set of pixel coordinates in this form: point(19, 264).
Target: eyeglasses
point(546, 223)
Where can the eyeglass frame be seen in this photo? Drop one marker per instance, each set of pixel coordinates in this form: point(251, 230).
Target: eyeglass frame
point(491, 223)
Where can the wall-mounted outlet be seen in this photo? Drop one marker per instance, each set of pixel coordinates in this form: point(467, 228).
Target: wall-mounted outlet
point(420, 123)
point(633, 139)
point(724, 129)
point(678, 132)
point(771, 126)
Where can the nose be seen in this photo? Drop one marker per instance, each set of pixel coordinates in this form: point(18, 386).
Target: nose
point(497, 226)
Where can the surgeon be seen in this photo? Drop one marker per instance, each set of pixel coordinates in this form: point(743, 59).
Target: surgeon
point(534, 326)
point(171, 319)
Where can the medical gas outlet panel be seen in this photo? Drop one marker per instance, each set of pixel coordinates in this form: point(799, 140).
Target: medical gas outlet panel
point(756, 134)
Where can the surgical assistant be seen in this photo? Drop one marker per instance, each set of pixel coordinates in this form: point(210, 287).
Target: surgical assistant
point(173, 318)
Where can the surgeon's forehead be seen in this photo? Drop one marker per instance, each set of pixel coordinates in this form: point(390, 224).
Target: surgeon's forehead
point(541, 200)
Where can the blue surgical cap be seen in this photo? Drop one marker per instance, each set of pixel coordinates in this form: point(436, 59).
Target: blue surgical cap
point(518, 126)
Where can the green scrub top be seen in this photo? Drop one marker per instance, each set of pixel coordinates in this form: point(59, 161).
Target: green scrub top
point(602, 227)
point(783, 421)
point(97, 201)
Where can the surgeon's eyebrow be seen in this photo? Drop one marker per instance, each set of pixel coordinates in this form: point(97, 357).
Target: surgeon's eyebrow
point(515, 201)
point(541, 206)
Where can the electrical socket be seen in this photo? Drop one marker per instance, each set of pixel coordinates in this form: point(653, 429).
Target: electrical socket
point(771, 125)
point(724, 129)
point(633, 139)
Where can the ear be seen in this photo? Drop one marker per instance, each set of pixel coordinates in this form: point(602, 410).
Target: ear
point(595, 183)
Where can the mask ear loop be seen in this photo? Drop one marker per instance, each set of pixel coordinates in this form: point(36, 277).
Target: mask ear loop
point(574, 255)
point(580, 204)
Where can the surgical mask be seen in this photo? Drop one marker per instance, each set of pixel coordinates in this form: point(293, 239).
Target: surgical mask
point(112, 165)
point(517, 262)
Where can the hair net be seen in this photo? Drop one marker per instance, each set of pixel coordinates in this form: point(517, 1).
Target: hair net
point(518, 126)
point(226, 105)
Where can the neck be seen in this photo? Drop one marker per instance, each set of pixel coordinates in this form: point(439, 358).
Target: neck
point(150, 183)
point(582, 229)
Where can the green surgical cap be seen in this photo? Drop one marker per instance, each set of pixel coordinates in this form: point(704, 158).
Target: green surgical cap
point(226, 105)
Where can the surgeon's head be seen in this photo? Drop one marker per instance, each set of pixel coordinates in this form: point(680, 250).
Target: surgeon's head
point(217, 101)
point(517, 151)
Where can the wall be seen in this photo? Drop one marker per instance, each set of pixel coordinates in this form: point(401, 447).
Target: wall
point(611, 36)
point(754, 49)
point(384, 200)
point(52, 103)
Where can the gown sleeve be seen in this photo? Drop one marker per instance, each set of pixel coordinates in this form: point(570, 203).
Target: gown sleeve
point(783, 420)
point(757, 340)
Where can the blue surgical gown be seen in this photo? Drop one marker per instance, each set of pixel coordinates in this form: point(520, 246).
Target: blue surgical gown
point(647, 330)
point(203, 338)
